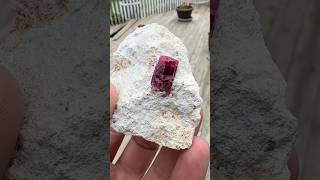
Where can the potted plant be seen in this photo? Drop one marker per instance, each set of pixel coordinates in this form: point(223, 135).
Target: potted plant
point(184, 11)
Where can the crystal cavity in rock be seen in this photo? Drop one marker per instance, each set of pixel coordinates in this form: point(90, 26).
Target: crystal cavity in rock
point(164, 74)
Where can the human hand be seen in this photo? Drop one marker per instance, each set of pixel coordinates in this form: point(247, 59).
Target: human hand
point(11, 118)
point(170, 164)
point(293, 165)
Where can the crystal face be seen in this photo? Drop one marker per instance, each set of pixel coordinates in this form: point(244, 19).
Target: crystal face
point(164, 74)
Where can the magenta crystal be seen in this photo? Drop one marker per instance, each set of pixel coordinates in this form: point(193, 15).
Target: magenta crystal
point(164, 74)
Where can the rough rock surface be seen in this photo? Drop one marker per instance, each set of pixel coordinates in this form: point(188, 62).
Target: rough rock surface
point(62, 73)
point(7, 16)
point(291, 30)
point(169, 121)
point(253, 131)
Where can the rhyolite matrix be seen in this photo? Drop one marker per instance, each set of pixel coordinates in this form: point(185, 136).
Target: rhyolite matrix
point(159, 98)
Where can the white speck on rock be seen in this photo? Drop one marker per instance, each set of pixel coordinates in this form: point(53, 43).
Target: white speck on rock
point(168, 121)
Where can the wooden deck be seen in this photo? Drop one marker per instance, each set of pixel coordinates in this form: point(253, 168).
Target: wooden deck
point(194, 34)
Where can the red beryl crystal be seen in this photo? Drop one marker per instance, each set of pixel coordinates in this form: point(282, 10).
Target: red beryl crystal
point(164, 74)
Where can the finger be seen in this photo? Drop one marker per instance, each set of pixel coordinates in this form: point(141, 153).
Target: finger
point(137, 157)
point(11, 117)
point(115, 142)
point(293, 165)
point(163, 165)
point(115, 138)
point(199, 125)
point(113, 99)
point(165, 161)
point(195, 161)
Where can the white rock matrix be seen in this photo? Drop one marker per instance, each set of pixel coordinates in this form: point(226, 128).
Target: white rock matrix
point(166, 120)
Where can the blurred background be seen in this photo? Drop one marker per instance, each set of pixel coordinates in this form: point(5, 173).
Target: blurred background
point(127, 15)
point(292, 34)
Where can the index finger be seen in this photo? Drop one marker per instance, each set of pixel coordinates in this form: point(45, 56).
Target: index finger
point(115, 138)
point(113, 99)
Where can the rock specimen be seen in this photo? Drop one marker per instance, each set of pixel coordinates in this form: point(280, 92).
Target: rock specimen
point(253, 131)
point(7, 17)
point(61, 74)
point(159, 98)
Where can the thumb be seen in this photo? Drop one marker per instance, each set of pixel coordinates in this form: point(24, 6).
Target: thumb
point(113, 99)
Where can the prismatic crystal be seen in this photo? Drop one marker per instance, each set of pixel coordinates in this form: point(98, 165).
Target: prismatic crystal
point(164, 74)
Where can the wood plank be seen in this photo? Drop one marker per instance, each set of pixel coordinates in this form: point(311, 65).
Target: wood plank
point(123, 30)
point(116, 28)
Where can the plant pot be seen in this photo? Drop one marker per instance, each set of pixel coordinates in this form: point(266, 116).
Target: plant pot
point(184, 13)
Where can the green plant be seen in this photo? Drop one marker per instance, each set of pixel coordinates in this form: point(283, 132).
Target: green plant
point(185, 5)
